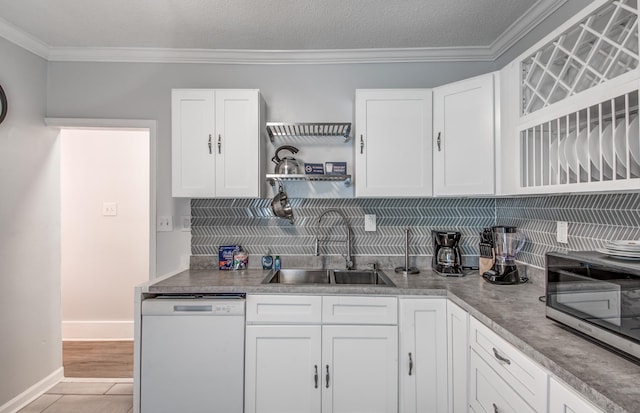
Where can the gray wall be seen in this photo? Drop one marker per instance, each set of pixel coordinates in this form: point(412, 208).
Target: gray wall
point(309, 93)
point(30, 347)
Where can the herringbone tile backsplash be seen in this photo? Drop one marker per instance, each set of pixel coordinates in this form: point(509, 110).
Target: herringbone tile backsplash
point(593, 219)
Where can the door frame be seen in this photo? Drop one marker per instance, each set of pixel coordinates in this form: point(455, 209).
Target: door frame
point(125, 124)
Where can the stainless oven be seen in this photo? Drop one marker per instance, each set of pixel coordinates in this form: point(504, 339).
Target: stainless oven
point(597, 296)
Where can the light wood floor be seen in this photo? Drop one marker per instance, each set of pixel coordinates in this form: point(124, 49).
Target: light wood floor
point(98, 359)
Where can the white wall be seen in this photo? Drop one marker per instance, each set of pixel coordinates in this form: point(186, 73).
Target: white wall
point(30, 346)
point(103, 257)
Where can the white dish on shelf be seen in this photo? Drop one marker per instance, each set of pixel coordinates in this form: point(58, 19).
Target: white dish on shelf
point(607, 144)
point(634, 140)
point(621, 142)
point(562, 156)
point(582, 149)
point(570, 151)
point(553, 159)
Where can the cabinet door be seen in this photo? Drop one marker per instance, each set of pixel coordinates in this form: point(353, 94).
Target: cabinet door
point(564, 400)
point(393, 143)
point(280, 369)
point(359, 369)
point(423, 355)
point(463, 120)
point(237, 143)
point(458, 357)
point(192, 129)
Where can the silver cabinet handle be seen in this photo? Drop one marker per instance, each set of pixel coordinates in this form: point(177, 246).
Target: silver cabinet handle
point(219, 143)
point(315, 376)
point(327, 376)
point(361, 145)
point(439, 141)
point(495, 408)
point(410, 364)
point(500, 357)
point(209, 144)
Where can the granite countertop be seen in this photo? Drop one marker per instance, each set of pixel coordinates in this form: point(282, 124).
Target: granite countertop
point(514, 312)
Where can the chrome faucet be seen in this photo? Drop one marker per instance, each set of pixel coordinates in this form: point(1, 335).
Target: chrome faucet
point(348, 257)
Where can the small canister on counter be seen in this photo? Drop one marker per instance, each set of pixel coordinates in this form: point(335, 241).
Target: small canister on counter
point(240, 260)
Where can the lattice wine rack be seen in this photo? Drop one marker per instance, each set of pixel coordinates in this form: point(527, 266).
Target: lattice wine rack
point(601, 47)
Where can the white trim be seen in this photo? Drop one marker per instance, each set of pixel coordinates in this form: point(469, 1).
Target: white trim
point(97, 330)
point(521, 27)
point(24, 39)
point(151, 125)
point(534, 16)
point(32, 392)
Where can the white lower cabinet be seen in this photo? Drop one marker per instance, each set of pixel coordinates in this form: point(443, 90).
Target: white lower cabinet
point(423, 355)
point(564, 400)
point(283, 368)
point(291, 366)
point(489, 392)
point(458, 358)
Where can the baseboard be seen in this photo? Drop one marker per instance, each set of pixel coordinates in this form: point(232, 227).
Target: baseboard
point(97, 330)
point(32, 392)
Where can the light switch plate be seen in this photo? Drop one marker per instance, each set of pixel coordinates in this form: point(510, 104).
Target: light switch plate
point(562, 232)
point(109, 209)
point(369, 222)
point(165, 223)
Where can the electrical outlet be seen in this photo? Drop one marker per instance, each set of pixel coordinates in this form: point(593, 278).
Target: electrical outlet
point(186, 223)
point(109, 209)
point(165, 223)
point(562, 232)
point(369, 222)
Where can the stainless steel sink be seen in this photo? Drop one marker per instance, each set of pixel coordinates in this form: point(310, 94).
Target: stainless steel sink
point(331, 277)
point(370, 277)
point(298, 276)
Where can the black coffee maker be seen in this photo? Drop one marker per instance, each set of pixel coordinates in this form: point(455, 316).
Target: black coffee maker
point(447, 260)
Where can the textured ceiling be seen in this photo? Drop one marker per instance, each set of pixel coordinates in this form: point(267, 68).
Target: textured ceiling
point(264, 24)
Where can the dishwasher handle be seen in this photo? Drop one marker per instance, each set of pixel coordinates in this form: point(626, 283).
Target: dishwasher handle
point(192, 308)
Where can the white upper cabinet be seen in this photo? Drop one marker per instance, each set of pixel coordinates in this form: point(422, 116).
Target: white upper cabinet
point(192, 130)
point(463, 137)
point(393, 142)
point(216, 143)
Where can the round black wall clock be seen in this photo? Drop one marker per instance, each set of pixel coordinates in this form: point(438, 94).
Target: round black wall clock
point(3, 105)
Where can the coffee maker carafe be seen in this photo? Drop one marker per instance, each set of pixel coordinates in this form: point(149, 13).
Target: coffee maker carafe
point(507, 242)
point(447, 260)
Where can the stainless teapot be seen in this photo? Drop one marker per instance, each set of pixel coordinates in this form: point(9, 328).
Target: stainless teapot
point(288, 164)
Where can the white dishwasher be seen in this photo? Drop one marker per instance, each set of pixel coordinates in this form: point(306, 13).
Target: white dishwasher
point(192, 354)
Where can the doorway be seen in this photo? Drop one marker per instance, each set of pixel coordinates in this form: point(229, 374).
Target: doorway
point(106, 245)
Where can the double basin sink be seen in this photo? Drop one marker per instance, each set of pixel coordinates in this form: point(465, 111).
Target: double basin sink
point(329, 277)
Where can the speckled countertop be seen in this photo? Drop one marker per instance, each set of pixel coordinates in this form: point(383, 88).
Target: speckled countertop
point(514, 312)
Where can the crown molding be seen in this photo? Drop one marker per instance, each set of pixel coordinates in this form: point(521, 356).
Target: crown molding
point(521, 27)
point(514, 33)
point(340, 56)
point(23, 39)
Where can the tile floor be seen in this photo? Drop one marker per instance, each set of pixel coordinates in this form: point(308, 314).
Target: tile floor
point(84, 397)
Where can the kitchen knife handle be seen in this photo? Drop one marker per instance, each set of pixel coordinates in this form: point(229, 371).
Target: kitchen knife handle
point(495, 408)
point(315, 377)
point(361, 144)
point(327, 376)
point(499, 357)
point(219, 143)
point(410, 364)
point(439, 141)
point(209, 144)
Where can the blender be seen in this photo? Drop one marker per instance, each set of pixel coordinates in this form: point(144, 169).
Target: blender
point(507, 242)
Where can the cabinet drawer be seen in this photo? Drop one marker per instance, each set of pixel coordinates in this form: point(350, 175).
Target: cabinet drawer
point(359, 310)
point(284, 309)
point(489, 393)
point(525, 377)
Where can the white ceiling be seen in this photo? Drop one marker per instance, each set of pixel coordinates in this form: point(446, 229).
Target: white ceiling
point(270, 25)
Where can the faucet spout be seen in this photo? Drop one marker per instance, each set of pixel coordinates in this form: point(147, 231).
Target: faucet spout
point(348, 257)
